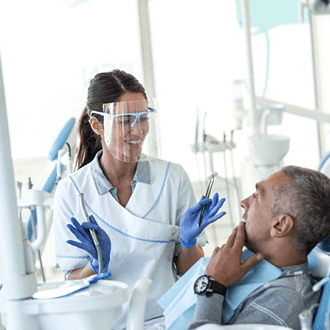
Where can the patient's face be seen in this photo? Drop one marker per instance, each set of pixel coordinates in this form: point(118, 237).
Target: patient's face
point(256, 216)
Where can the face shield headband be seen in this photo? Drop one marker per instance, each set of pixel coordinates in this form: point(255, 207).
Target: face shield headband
point(127, 121)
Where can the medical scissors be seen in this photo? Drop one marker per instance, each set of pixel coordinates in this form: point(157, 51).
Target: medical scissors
point(207, 194)
point(93, 234)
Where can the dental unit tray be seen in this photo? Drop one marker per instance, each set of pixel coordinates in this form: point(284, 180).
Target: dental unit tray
point(65, 288)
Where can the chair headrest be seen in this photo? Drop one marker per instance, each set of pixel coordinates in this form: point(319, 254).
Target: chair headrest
point(61, 139)
point(319, 262)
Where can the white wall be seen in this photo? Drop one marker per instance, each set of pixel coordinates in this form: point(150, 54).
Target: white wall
point(199, 51)
point(50, 50)
point(322, 51)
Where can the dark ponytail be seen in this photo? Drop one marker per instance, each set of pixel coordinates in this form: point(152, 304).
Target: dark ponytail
point(90, 142)
point(106, 87)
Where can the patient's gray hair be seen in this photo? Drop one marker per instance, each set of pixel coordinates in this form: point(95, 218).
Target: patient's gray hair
point(306, 198)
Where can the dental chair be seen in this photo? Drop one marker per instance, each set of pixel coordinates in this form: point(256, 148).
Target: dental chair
point(242, 327)
point(52, 174)
point(319, 266)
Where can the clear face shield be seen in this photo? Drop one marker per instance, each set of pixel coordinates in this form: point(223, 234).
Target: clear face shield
point(130, 129)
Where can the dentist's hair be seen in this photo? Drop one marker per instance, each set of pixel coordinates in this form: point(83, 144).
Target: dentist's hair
point(306, 198)
point(106, 87)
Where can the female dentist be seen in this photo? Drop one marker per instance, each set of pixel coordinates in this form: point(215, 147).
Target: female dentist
point(141, 208)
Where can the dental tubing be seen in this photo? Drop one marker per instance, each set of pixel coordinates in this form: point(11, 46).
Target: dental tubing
point(94, 237)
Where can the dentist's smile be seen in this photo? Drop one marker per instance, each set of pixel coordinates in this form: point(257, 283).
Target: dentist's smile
point(134, 142)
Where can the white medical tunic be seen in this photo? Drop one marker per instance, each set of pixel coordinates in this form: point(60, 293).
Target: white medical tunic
point(144, 234)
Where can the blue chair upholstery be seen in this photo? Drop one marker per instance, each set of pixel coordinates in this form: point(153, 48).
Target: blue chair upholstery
point(319, 265)
point(320, 320)
point(324, 163)
point(324, 168)
point(61, 138)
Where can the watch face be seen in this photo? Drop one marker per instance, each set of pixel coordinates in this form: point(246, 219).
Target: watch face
point(201, 284)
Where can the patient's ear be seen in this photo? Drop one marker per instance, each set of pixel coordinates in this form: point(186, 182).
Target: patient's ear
point(282, 225)
point(96, 126)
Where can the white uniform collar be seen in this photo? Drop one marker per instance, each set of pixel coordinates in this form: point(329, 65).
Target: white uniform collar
point(102, 184)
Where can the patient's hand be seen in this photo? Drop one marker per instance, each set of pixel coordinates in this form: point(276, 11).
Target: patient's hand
point(225, 264)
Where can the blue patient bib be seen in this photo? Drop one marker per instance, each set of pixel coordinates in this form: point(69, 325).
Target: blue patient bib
point(257, 276)
point(180, 300)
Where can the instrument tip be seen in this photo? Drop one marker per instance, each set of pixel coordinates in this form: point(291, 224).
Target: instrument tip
point(213, 175)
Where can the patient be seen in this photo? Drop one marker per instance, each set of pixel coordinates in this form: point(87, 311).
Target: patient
point(284, 219)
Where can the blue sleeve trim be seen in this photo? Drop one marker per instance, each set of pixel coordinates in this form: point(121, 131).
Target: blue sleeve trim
point(116, 229)
point(73, 257)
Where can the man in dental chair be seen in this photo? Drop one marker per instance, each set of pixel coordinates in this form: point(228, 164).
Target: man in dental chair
point(286, 217)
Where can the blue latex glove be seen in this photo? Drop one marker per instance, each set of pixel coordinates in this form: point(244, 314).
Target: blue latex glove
point(188, 223)
point(81, 231)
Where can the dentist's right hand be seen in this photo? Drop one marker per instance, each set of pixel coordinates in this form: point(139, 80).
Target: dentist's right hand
point(188, 223)
point(81, 231)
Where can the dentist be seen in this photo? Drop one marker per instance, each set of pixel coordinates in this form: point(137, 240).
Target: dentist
point(142, 208)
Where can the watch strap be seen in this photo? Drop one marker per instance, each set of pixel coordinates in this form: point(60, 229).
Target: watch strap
point(216, 287)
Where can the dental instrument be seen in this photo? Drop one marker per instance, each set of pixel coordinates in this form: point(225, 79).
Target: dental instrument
point(212, 145)
point(34, 236)
point(19, 189)
point(189, 229)
point(210, 178)
point(34, 232)
point(19, 195)
point(69, 164)
point(93, 234)
point(204, 143)
point(232, 145)
point(227, 181)
point(59, 166)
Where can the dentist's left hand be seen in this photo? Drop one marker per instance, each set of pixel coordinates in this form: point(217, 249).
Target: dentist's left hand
point(188, 223)
point(81, 231)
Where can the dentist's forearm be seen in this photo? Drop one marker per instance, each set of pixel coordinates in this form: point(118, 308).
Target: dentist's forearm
point(188, 257)
point(80, 273)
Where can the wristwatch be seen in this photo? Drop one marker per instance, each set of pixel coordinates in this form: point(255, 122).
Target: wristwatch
point(206, 284)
